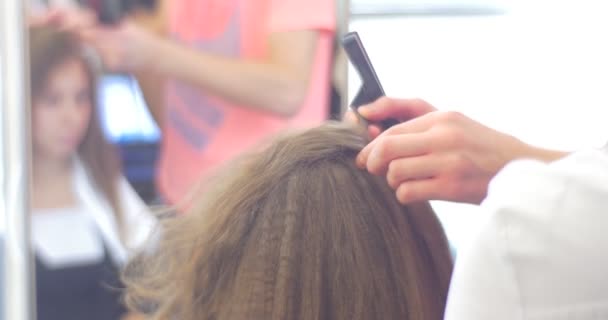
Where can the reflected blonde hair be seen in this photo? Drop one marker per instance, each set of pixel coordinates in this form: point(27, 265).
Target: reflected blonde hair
point(297, 231)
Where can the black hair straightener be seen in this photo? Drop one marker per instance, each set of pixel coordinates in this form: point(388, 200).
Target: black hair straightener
point(112, 11)
point(371, 89)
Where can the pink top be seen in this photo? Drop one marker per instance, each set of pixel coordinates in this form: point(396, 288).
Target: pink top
point(203, 131)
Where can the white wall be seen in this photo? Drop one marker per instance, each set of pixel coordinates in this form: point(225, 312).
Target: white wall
point(2, 182)
point(540, 72)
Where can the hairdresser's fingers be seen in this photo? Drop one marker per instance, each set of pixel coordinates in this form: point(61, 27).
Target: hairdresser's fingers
point(389, 148)
point(105, 50)
point(445, 127)
point(413, 168)
point(374, 131)
point(401, 109)
point(50, 17)
point(112, 59)
point(122, 47)
point(350, 117)
point(417, 190)
point(417, 125)
point(76, 19)
point(443, 188)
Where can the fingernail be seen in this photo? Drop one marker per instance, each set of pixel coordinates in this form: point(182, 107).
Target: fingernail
point(363, 109)
point(359, 162)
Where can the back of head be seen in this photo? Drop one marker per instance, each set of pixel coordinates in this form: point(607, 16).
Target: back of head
point(297, 231)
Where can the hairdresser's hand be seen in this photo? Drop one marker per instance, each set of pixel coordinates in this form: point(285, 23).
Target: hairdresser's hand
point(46, 18)
point(438, 155)
point(385, 108)
point(123, 48)
point(70, 19)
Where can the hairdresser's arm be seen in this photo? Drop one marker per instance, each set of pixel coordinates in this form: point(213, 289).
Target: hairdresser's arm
point(439, 155)
point(276, 82)
point(153, 85)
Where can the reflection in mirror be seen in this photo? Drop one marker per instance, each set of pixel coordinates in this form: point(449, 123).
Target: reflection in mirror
point(2, 261)
point(2, 200)
point(85, 215)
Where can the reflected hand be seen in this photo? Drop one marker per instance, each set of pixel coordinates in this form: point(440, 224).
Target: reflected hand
point(123, 48)
point(70, 19)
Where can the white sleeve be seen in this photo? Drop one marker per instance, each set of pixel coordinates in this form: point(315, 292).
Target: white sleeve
point(542, 254)
point(483, 284)
point(138, 219)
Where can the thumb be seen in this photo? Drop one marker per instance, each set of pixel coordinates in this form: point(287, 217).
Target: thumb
point(400, 109)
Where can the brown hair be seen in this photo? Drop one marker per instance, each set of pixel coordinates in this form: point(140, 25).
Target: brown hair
point(49, 48)
point(297, 231)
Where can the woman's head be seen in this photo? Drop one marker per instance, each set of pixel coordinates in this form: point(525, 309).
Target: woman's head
point(297, 231)
point(64, 114)
point(63, 88)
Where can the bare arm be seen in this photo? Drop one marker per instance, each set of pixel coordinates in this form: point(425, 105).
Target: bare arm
point(153, 89)
point(277, 82)
point(153, 85)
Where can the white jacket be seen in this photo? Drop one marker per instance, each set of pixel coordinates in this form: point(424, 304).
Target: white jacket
point(544, 252)
point(138, 220)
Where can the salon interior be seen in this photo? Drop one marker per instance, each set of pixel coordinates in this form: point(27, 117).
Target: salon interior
point(535, 69)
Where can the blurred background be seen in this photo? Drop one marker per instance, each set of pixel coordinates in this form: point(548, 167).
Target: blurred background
point(536, 69)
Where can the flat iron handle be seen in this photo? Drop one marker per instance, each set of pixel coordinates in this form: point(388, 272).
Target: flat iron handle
point(371, 89)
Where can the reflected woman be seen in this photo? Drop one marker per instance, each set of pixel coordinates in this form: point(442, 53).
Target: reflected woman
point(85, 215)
